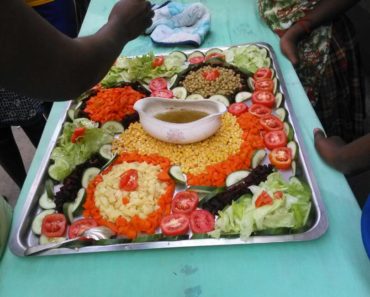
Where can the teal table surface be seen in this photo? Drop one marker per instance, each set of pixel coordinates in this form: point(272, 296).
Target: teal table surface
point(333, 265)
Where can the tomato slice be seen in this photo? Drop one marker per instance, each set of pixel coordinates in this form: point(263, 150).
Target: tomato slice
point(196, 60)
point(212, 74)
point(79, 227)
point(158, 83)
point(237, 108)
point(271, 123)
point(265, 98)
point(54, 225)
point(78, 133)
point(265, 84)
point(259, 110)
point(215, 55)
point(158, 61)
point(274, 139)
point(281, 158)
point(202, 221)
point(263, 199)
point(185, 202)
point(162, 94)
point(175, 224)
point(129, 180)
point(262, 73)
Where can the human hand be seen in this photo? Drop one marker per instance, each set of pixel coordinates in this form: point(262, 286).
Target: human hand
point(132, 17)
point(289, 41)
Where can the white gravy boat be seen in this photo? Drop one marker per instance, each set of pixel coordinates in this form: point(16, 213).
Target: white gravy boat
point(180, 133)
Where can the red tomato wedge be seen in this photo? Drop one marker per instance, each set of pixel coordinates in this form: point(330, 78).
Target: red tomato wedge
point(157, 84)
point(162, 94)
point(262, 73)
point(215, 55)
point(271, 123)
point(185, 202)
point(202, 221)
point(259, 110)
point(79, 227)
point(263, 199)
point(265, 84)
point(78, 133)
point(237, 108)
point(175, 224)
point(196, 60)
point(274, 139)
point(158, 61)
point(281, 158)
point(212, 74)
point(129, 180)
point(265, 98)
point(54, 225)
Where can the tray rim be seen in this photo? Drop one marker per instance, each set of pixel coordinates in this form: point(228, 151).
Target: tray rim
point(317, 230)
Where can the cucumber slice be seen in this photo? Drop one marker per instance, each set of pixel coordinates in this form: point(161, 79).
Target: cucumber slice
point(177, 174)
point(250, 82)
point(195, 97)
point(88, 175)
point(195, 54)
point(258, 157)
point(45, 202)
point(243, 96)
point(172, 81)
point(148, 238)
point(200, 236)
point(71, 114)
point(109, 162)
point(294, 168)
point(202, 189)
point(49, 188)
point(294, 148)
point(180, 92)
point(272, 73)
point(210, 195)
point(180, 56)
point(46, 240)
point(37, 221)
point(236, 176)
point(106, 151)
point(74, 209)
point(213, 51)
point(278, 100)
point(220, 98)
point(113, 126)
point(275, 81)
point(289, 132)
point(281, 113)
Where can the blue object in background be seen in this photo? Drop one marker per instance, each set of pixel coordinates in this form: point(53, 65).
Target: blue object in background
point(365, 226)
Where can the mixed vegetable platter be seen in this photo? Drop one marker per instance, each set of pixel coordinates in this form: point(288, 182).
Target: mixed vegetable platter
point(241, 182)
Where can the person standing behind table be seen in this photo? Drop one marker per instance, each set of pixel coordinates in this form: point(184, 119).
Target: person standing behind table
point(319, 41)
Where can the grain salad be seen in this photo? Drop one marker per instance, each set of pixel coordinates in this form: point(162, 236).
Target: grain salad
point(193, 158)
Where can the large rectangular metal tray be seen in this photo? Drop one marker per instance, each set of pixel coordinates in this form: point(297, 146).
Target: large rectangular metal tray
point(22, 236)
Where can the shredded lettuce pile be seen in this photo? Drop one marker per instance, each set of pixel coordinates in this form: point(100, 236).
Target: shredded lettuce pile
point(141, 69)
point(67, 155)
point(244, 218)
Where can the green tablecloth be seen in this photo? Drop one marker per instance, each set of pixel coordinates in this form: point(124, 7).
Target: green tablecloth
point(334, 265)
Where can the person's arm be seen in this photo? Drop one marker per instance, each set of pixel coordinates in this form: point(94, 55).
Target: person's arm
point(39, 61)
point(324, 12)
point(348, 158)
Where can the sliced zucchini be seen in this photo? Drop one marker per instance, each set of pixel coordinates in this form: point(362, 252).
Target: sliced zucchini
point(214, 51)
point(289, 132)
point(180, 92)
point(294, 148)
point(278, 100)
point(88, 175)
point(172, 81)
point(294, 168)
point(243, 96)
point(236, 176)
point(106, 151)
point(46, 240)
point(113, 126)
point(49, 188)
point(275, 81)
point(258, 157)
point(281, 113)
point(195, 97)
point(221, 99)
point(250, 83)
point(180, 56)
point(195, 54)
point(37, 221)
point(177, 174)
point(46, 202)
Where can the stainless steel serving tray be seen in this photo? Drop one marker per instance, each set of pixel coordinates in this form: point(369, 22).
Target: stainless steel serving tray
point(22, 236)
